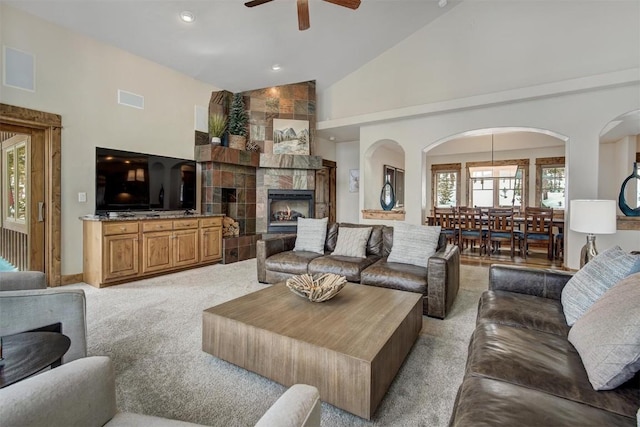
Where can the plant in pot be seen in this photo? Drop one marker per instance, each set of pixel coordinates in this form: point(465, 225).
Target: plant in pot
point(217, 127)
point(238, 120)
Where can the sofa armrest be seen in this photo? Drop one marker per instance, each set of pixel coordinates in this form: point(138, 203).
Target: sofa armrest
point(299, 406)
point(540, 282)
point(22, 311)
point(270, 246)
point(81, 393)
point(443, 280)
point(22, 280)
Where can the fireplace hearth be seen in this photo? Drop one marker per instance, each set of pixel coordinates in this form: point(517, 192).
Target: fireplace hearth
point(286, 206)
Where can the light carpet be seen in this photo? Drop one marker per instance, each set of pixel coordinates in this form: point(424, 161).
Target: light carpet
point(152, 330)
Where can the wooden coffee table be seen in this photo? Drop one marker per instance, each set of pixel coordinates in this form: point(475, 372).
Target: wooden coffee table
point(349, 347)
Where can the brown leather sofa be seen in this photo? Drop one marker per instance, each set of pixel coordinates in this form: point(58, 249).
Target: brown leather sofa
point(438, 283)
point(522, 370)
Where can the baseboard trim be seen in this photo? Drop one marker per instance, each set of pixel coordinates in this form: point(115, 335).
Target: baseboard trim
point(68, 279)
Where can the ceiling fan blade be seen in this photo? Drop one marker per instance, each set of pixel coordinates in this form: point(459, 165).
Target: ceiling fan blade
point(256, 3)
point(351, 4)
point(303, 15)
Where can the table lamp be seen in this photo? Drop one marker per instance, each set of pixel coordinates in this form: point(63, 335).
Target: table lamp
point(592, 217)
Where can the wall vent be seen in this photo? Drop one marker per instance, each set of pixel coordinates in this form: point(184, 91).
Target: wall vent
point(19, 69)
point(130, 99)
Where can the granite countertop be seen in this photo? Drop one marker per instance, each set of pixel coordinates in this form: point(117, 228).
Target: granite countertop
point(146, 216)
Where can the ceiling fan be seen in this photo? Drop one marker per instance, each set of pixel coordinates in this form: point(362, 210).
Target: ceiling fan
point(303, 9)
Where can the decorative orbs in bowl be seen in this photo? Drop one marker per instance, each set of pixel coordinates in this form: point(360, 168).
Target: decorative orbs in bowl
point(318, 288)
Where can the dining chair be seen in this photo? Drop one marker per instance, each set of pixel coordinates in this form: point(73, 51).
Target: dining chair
point(538, 230)
point(446, 218)
point(500, 223)
point(471, 230)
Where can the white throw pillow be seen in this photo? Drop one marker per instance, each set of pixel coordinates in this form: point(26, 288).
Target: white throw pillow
point(352, 241)
point(414, 244)
point(593, 280)
point(607, 336)
point(311, 235)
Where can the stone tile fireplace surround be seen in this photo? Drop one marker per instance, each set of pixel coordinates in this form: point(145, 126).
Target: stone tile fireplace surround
point(236, 183)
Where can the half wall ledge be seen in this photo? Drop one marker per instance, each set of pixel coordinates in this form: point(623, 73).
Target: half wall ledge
point(628, 222)
point(381, 214)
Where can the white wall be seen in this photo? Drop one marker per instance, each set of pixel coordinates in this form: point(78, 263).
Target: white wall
point(78, 78)
point(325, 149)
point(616, 162)
point(482, 47)
point(580, 117)
point(347, 202)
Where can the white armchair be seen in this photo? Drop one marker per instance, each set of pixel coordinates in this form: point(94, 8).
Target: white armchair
point(82, 393)
point(26, 304)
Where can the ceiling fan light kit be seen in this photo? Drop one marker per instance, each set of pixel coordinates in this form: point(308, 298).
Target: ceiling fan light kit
point(303, 9)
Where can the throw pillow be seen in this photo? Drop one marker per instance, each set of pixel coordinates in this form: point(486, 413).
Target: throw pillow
point(352, 242)
point(414, 244)
point(311, 235)
point(607, 336)
point(593, 280)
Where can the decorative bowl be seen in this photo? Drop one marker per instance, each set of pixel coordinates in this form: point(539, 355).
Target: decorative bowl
point(319, 288)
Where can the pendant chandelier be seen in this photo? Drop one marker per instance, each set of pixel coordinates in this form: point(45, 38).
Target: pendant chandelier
point(497, 171)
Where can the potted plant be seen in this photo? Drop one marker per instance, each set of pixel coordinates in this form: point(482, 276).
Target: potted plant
point(238, 120)
point(217, 127)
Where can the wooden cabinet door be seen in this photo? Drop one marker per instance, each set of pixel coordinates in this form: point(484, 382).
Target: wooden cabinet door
point(157, 251)
point(185, 247)
point(210, 244)
point(121, 256)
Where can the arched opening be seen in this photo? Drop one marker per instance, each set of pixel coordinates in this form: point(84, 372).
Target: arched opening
point(539, 178)
point(619, 149)
point(385, 159)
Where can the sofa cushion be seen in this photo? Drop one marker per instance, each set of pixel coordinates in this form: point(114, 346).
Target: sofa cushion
point(332, 237)
point(545, 362)
point(487, 402)
point(349, 267)
point(414, 244)
point(522, 311)
point(607, 336)
point(374, 244)
point(593, 280)
point(352, 242)
point(311, 235)
point(394, 275)
point(290, 261)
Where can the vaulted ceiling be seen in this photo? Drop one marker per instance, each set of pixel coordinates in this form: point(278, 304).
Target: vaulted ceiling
point(233, 47)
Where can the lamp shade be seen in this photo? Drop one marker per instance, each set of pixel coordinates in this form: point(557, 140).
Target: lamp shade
point(593, 216)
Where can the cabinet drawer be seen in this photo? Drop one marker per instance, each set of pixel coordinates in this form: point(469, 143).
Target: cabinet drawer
point(185, 223)
point(211, 222)
point(157, 226)
point(112, 228)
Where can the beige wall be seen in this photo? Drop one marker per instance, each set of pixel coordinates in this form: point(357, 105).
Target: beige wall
point(78, 78)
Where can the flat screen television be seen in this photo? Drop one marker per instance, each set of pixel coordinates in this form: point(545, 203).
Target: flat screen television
point(128, 181)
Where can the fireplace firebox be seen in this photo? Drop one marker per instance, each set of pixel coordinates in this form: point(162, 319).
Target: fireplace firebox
point(286, 206)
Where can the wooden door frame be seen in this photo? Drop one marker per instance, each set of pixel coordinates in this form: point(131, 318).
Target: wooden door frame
point(331, 166)
point(51, 124)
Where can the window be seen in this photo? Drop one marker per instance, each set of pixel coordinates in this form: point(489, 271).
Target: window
point(484, 190)
point(14, 180)
point(445, 179)
point(550, 182)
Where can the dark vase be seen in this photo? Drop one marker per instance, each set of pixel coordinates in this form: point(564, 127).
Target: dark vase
point(387, 196)
point(622, 203)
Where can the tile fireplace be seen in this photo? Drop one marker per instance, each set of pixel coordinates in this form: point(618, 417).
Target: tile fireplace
point(286, 206)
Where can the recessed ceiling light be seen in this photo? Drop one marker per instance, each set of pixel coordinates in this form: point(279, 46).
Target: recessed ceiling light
point(276, 67)
point(187, 16)
point(332, 138)
point(442, 3)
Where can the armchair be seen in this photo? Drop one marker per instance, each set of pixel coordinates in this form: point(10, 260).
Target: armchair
point(26, 304)
point(83, 393)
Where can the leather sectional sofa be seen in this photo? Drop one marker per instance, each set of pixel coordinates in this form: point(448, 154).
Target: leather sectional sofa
point(522, 370)
point(438, 283)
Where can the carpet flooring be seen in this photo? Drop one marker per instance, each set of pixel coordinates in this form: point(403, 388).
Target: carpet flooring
point(152, 331)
